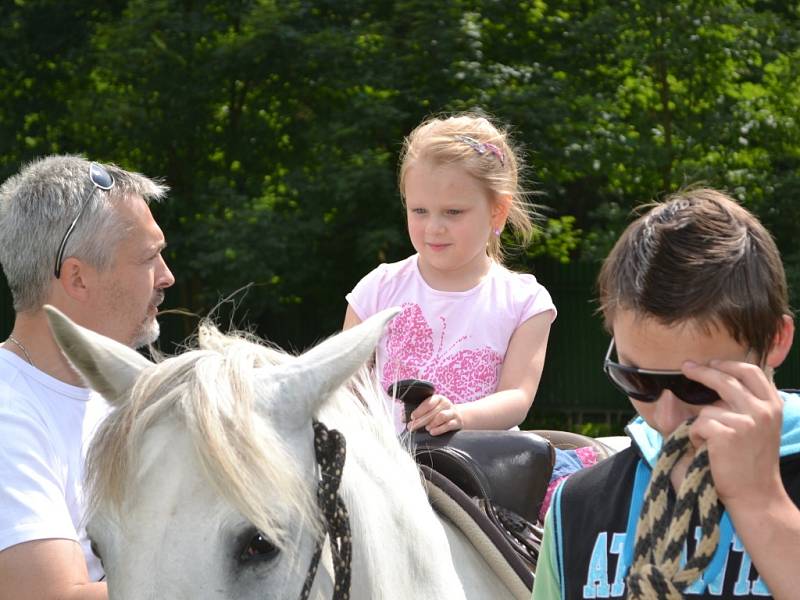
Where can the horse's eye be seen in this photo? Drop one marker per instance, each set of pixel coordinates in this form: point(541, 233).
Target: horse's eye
point(258, 548)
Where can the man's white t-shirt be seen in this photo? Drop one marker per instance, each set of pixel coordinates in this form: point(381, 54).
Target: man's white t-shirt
point(45, 428)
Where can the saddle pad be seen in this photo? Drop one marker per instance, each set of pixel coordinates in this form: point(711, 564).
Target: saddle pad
point(453, 504)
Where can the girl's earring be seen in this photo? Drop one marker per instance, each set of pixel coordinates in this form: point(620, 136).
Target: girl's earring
point(497, 231)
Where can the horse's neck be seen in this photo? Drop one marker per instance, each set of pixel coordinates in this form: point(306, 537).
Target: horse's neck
point(400, 549)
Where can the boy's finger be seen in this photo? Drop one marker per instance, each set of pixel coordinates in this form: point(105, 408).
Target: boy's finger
point(752, 377)
point(737, 383)
point(715, 421)
point(730, 389)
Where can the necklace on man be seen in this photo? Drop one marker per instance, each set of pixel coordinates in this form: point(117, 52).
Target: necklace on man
point(17, 343)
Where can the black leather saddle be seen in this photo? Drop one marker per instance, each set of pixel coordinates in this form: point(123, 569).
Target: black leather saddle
point(510, 469)
point(500, 478)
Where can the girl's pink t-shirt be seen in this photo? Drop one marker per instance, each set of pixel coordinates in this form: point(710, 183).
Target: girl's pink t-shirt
point(456, 340)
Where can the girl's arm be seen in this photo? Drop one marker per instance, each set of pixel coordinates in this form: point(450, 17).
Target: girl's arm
point(509, 405)
point(350, 318)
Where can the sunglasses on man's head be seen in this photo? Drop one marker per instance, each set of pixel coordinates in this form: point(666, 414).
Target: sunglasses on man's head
point(101, 179)
point(647, 385)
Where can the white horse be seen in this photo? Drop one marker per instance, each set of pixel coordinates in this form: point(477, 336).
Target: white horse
point(203, 480)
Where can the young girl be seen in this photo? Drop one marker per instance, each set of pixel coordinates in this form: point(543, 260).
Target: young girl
point(473, 328)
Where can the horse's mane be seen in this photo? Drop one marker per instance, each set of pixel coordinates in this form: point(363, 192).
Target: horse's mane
point(212, 390)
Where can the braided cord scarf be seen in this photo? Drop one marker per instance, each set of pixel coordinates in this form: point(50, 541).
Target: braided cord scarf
point(661, 537)
point(330, 449)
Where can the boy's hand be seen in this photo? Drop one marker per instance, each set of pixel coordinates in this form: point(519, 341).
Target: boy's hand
point(437, 414)
point(742, 431)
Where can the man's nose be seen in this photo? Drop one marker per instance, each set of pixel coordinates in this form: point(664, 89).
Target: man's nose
point(670, 412)
point(166, 278)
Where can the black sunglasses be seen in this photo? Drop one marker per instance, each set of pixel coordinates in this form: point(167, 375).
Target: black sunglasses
point(648, 385)
point(101, 179)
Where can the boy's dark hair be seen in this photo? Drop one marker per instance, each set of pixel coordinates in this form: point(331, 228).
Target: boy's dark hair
point(698, 257)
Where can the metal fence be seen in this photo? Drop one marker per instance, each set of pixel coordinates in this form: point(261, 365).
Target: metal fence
point(573, 381)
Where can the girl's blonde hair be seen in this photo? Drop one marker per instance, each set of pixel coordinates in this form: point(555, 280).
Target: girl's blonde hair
point(486, 152)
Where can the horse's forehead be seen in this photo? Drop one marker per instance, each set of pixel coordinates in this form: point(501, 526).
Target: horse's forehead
point(165, 486)
point(167, 465)
point(168, 474)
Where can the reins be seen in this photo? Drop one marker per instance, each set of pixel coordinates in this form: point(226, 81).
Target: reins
point(330, 450)
point(656, 573)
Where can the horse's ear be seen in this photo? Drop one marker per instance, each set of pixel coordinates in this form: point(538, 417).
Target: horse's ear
point(108, 367)
point(318, 372)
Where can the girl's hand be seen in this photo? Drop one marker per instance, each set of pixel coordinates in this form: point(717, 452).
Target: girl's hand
point(742, 432)
point(436, 414)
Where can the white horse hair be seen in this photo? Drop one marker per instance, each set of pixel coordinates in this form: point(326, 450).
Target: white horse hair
point(202, 480)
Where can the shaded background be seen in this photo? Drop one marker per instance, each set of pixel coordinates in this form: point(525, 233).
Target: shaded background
point(277, 126)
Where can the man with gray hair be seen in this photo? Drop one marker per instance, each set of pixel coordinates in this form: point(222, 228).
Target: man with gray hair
point(79, 236)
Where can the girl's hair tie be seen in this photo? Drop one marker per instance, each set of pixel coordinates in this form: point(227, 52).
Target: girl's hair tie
point(482, 147)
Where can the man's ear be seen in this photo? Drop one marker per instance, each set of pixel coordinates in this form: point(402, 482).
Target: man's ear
point(500, 209)
point(74, 278)
point(782, 343)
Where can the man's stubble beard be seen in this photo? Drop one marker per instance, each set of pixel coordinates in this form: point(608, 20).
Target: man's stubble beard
point(147, 333)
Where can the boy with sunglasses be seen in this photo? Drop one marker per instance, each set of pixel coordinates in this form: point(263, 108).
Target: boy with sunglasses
point(694, 295)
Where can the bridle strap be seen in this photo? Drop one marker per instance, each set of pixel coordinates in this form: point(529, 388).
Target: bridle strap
point(330, 450)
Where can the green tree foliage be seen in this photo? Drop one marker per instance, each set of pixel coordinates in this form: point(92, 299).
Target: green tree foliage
point(277, 123)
